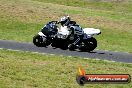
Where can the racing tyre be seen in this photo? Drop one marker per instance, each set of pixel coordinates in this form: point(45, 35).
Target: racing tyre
point(88, 45)
point(40, 42)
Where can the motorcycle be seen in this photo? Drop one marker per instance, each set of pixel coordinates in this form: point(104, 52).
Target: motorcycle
point(62, 37)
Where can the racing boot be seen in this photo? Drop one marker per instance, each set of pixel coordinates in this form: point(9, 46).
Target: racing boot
point(73, 46)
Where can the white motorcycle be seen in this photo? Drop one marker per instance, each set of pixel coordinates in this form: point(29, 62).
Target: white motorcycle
point(61, 37)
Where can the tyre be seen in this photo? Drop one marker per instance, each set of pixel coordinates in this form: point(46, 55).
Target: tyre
point(40, 42)
point(88, 45)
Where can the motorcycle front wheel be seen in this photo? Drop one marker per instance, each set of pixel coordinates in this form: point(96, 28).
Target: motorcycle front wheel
point(88, 45)
point(40, 41)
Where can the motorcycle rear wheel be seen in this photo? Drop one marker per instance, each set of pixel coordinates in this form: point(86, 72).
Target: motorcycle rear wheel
point(89, 45)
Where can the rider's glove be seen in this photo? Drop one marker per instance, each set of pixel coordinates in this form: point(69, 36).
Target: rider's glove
point(58, 22)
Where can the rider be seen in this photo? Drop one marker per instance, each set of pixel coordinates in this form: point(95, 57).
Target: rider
point(66, 21)
point(75, 29)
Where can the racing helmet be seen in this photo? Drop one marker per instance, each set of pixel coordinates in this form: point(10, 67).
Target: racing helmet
point(65, 20)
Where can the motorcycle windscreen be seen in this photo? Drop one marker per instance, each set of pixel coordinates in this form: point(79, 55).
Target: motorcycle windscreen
point(49, 29)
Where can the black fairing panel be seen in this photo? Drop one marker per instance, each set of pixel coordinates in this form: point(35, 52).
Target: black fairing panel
point(49, 29)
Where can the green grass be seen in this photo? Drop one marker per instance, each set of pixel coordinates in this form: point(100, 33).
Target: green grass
point(30, 70)
point(18, 31)
point(22, 19)
point(108, 5)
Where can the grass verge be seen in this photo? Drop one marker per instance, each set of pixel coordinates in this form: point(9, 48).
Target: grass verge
point(30, 70)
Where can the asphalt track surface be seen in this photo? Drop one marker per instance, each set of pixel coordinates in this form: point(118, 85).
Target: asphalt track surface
point(98, 54)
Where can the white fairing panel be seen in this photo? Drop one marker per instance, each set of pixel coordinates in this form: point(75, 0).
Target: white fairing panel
point(41, 34)
point(91, 31)
point(63, 30)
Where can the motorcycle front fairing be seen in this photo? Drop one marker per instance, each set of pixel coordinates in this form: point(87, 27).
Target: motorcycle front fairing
point(49, 29)
point(63, 32)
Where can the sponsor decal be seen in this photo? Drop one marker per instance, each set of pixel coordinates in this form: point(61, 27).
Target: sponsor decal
point(83, 78)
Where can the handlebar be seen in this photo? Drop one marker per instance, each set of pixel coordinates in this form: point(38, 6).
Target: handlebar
point(56, 22)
